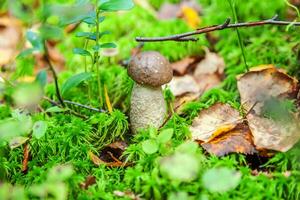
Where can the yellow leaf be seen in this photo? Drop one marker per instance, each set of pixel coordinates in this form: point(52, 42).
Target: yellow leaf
point(191, 16)
point(108, 104)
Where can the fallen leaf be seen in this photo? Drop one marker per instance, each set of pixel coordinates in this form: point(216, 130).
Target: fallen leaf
point(181, 100)
point(90, 180)
point(17, 141)
point(10, 36)
point(118, 145)
point(257, 87)
point(182, 66)
point(191, 16)
point(269, 134)
point(263, 82)
point(213, 121)
point(180, 85)
point(210, 71)
point(113, 152)
point(236, 140)
point(98, 161)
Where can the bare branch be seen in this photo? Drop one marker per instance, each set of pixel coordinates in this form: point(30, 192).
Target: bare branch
point(225, 25)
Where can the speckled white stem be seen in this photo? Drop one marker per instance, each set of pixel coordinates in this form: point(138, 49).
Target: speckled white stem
point(148, 107)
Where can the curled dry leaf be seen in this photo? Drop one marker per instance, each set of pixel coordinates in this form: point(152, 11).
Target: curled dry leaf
point(263, 82)
point(213, 121)
point(180, 85)
point(10, 35)
point(90, 180)
point(256, 88)
point(220, 131)
point(210, 71)
point(182, 66)
point(110, 155)
point(237, 140)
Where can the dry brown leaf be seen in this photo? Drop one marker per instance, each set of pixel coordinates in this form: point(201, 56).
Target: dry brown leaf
point(214, 121)
point(118, 145)
point(181, 100)
point(90, 180)
point(273, 135)
point(210, 71)
point(263, 82)
point(236, 140)
point(97, 161)
point(181, 67)
point(10, 36)
point(180, 85)
point(256, 88)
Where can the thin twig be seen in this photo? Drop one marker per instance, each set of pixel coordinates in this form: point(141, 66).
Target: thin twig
point(84, 106)
point(47, 59)
point(74, 103)
point(225, 25)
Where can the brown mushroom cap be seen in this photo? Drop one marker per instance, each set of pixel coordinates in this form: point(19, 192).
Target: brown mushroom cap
point(150, 68)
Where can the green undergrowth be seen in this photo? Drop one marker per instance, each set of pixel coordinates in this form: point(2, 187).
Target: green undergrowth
point(60, 160)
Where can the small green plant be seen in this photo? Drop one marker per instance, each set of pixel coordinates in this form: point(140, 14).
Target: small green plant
point(93, 19)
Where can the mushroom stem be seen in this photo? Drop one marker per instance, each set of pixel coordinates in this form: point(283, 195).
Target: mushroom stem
point(148, 107)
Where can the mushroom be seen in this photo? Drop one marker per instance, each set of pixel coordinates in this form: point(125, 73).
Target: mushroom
point(149, 70)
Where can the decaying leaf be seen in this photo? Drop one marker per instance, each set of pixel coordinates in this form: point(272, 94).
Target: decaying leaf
point(90, 180)
point(263, 82)
point(180, 85)
point(10, 35)
point(273, 135)
point(237, 140)
point(214, 121)
point(181, 67)
point(257, 88)
point(110, 155)
point(191, 16)
point(181, 100)
point(210, 71)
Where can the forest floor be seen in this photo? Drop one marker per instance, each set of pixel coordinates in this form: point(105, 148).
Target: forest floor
point(78, 157)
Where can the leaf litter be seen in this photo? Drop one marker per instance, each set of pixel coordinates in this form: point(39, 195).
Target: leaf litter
point(271, 122)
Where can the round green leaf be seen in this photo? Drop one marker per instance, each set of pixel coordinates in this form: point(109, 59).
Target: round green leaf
point(39, 129)
point(150, 146)
point(221, 179)
point(165, 135)
point(180, 166)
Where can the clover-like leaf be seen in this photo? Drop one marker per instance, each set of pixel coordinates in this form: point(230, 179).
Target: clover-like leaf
point(150, 146)
point(39, 129)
